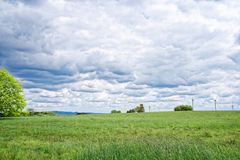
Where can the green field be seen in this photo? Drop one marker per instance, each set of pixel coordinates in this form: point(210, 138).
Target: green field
point(165, 135)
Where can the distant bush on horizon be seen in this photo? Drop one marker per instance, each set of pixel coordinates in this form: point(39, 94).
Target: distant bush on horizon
point(131, 111)
point(115, 111)
point(183, 108)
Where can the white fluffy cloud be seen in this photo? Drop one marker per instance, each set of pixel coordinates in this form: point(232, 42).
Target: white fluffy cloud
point(83, 55)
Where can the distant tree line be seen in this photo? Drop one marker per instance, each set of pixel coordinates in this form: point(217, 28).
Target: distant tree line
point(35, 113)
point(137, 109)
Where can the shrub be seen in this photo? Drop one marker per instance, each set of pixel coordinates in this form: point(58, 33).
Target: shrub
point(183, 108)
point(25, 114)
point(115, 111)
point(131, 111)
point(31, 111)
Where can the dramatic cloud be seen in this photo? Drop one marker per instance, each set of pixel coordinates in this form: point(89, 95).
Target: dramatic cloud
point(94, 56)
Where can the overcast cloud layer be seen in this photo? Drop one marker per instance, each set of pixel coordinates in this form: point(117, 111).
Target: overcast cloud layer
point(98, 55)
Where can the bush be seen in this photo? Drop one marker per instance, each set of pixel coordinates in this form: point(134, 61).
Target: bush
point(115, 111)
point(131, 111)
point(31, 111)
point(183, 108)
point(25, 114)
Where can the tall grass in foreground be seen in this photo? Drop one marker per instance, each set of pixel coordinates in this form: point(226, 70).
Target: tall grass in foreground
point(169, 135)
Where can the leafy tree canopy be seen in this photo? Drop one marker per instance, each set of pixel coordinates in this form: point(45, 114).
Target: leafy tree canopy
point(12, 100)
point(137, 109)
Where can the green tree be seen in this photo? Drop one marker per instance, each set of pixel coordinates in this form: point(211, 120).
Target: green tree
point(12, 100)
point(139, 109)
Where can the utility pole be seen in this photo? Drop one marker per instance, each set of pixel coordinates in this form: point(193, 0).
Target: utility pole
point(215, 103)
point(149, 107)
point(192, 102)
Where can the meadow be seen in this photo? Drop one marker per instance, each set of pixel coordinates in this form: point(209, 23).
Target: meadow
point(165, 135)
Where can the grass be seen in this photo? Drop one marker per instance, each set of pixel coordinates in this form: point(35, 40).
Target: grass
point(166, 135)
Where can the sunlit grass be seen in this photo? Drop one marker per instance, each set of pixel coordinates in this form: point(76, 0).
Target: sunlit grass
point(168, 135)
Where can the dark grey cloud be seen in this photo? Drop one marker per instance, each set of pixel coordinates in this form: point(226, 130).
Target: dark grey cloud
point(236, 58)
point(27, 2)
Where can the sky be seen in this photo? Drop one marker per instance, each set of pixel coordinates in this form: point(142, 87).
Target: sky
point(99, 55)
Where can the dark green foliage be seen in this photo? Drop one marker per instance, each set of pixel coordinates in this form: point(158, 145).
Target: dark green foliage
point(137, 109)
point(24, 114)
point(81, 113)
point(42, 114)
point(11, 98)
point(131, 111)
point(31, 111)
point(183, 108)
point(115, 111)
point(140, 109)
